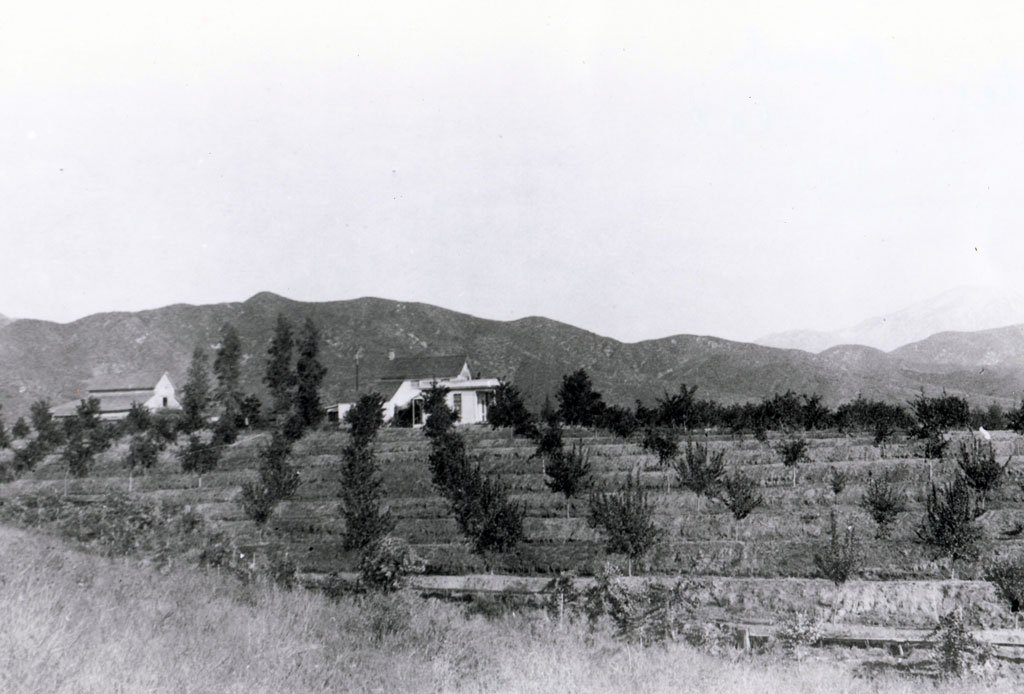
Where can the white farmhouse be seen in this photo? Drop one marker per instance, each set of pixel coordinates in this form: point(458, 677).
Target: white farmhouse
point(116, 401)
point(404, 381)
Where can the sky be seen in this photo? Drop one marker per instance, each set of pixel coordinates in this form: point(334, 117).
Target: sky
point(636, 169)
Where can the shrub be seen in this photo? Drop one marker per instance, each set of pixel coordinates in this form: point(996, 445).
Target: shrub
point(740, 495)
point(884, 500)
point(801, 630)
point(387, 565)
point(841, 558)
point(627, 518)
point(957, 648)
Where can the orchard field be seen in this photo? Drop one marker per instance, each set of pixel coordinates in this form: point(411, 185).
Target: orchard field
point(749, 570)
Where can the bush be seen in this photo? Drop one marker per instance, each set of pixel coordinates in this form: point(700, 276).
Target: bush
point(798, 632)
point(884, 500)
point(957, 649)
point(387, 565)
point(842, 557)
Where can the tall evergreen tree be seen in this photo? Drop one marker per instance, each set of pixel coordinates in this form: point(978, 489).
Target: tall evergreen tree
point(309, 374)
point(362, 493)
point(227, 369)
point(196, 397)
point(280, 377)
point(5, 440)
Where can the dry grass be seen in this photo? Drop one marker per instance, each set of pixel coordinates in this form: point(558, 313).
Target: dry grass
point(79, 623)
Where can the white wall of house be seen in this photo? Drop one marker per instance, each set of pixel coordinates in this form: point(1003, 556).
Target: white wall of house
point(163, 396)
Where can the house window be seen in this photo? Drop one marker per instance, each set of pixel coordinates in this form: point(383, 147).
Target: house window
point(165, 402)
point(457, 406)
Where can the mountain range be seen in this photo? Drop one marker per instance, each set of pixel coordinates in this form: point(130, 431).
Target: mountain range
point(57, 362)
point(964, 309)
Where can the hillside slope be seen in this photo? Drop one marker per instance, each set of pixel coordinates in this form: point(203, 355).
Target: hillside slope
point(39, 359)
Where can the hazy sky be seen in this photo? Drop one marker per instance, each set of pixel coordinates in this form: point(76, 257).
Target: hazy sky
point(638, 170)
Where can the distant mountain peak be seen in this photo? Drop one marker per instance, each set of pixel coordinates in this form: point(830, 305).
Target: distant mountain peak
point(967, 308)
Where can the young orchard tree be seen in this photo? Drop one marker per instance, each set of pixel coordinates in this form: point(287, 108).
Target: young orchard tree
point(981, 470)
point(949, 526)
point(20, 430)
point(1007, 575)
point(277, 481)
point(578, 402)
point(509, 410)
point(143, 450)
point(139, 419)
point(5, 439)
point(549, 444)
point(569, 473)
point(701, 471)
point(199, 456)
point(884, 500)
point(627, 519)
point(662, 443)
point(740, 494)
point(793, 451)
point(280, 376)
point(48, 434)
point(1015, 419)
point(680, 409)
point(196, 393)
point(842, 557)
point(309, 375)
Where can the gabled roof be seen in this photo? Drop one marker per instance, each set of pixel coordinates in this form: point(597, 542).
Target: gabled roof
point(409, 368)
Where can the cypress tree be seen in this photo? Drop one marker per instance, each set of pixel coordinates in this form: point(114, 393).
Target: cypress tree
point(279, 377)
point(309, 373)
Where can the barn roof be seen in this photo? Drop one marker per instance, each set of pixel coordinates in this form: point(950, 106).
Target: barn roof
point(422, 367)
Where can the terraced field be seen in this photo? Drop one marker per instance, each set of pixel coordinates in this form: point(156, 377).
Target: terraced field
point(701, 539)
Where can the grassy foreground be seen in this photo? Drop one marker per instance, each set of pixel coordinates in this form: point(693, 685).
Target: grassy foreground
point(74, 622)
